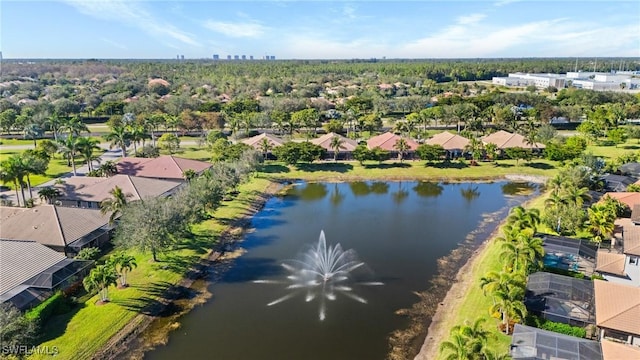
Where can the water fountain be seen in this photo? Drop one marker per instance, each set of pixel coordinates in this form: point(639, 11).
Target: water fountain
point(322, 272)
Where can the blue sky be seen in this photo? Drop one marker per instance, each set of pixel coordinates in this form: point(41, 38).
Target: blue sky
point(318, 29)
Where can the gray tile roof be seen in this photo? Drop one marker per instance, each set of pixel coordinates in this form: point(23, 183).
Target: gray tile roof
point(22, 260)
point(48, 224)
point(137, 188)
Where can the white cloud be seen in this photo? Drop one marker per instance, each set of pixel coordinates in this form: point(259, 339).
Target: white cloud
point(249, 29)
point(470, 19)
point(132, 14)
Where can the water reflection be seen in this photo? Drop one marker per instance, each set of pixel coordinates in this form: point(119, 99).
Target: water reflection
point(336, 197)
point(470, 193)
point(379, 187)
point(401, 194)
point(359, 188)
point(311, 191)
point(518, 188)
point(428, 189)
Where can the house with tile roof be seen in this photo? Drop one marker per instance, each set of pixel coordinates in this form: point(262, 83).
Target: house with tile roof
point(612, 350)
point(31, 272)
point(453, 144)
point(622, 267)
point(628, 198)
point(167, 167)
point(256, 141)
point(63, 229)
point(617, 312)
point(529, 343)
point(347, 147)
point(89, 192)
point(387, 141)
point(504, 140)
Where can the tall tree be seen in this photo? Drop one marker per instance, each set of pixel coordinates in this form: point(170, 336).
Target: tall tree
point(74, 126)
point(336, 145)
point(402, 146)
point(49, 194)
point(86, 147)
point(123, 263)
point(99, 279)
point(69, 148)
point(120, 137)
point(115, 204)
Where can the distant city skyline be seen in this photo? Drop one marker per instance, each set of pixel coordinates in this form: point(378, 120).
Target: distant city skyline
point(197, 29)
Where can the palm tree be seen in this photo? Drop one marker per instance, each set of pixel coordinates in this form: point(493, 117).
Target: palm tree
point(457, 346)
point(115, 204)
point(601, 223)
point(33, 132)
point(119, 136)
point(494, 282)
point(74, 126)
point(402, 146)
point(13, 170)
point(577, 195)
point(33, 165)
point(123, 263)
point(69, 148)
point(265, 147)
point(8, 175)
point(335, 145)
point(189, 174)
point(108, 168)
point(556, 184)
point(137, 133)
point(474, 147)
point(525, 253)
point(522, 218)
point(55, 123)
point(509, 303)
point(49, 194)
point(100, 278)
point(86, 147)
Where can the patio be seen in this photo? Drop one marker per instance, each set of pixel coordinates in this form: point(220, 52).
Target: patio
point(569, 254)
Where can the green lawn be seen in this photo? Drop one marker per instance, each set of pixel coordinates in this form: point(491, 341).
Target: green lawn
point(81, 333)
point(612, 152)
point(11, 142)
point(57, 167)
point(352, 170)
point(474, 303)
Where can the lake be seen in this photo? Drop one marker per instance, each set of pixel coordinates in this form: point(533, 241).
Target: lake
point(397, 229)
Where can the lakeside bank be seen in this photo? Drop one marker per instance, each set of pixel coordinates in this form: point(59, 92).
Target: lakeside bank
point(242, 210)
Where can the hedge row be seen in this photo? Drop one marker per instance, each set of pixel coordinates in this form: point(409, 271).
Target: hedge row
point(56, 304)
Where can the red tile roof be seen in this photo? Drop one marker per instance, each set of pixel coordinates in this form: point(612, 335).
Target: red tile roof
point(163, 167)
point(628, 198)
point(387, 141)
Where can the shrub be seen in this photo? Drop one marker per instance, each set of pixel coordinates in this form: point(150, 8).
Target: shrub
point(148, 151)
point(561, 328)
point(90, 253)
point(55, 305)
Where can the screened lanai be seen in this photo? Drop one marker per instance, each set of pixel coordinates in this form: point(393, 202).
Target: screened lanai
point(569, 254)
point(561, 298)
point(530, 343)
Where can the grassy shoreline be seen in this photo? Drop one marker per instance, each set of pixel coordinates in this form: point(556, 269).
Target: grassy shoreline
point(85, 332)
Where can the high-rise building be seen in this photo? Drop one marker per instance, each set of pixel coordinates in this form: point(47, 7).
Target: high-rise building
point(236, 57)
point(244, 57)
point(216, 57)
point(228, 57)
point(250, 57)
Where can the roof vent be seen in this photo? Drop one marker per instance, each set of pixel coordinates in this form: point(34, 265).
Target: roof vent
point(35, 227)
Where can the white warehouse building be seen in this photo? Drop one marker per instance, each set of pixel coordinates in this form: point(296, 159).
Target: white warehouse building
point(540, 81)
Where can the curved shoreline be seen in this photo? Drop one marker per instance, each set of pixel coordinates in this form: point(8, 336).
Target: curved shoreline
point(193, 281)
point(144, 335)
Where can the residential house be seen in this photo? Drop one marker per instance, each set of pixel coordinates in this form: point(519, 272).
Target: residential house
point(622, 267)
point(31, 272)
point(347, 147)
point(632, 169)
point(88, 192)
point(63, 229)
point(617, 183)
point(504, 140)
point(529, 343)
point(618, 312)
point(256, 141)
point(454, 144)
point(388, 140)
point(628, 198)
point(167, 167)
point(612, 350)
point(560, 298)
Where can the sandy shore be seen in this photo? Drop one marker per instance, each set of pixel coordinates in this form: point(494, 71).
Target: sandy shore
point(439, 328)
